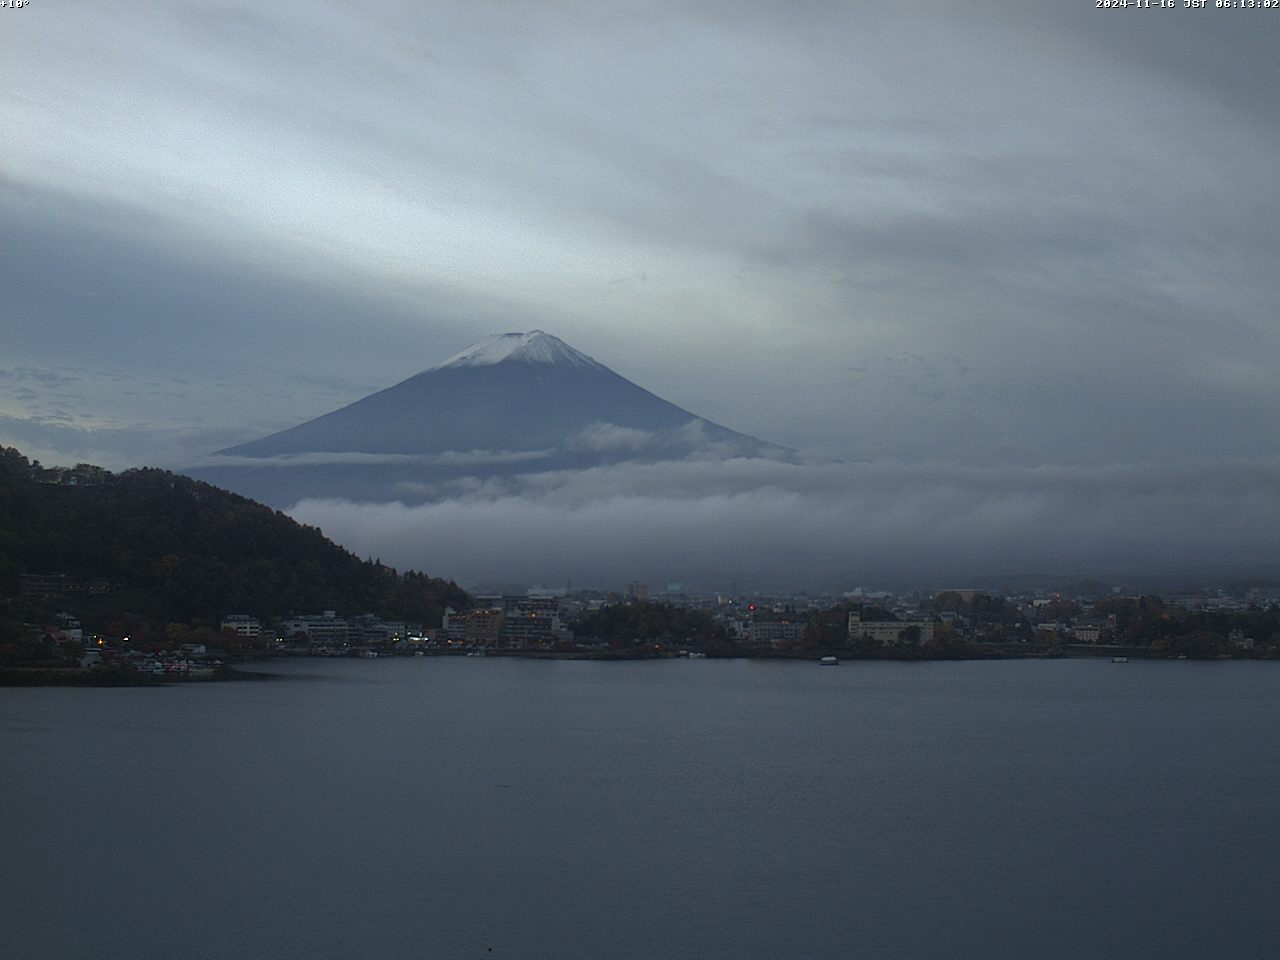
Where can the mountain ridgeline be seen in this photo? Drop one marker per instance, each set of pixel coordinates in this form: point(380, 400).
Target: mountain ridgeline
point(513, 403)
point(166, 548)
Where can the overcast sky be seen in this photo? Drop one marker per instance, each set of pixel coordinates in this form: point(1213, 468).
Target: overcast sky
point(996, 235)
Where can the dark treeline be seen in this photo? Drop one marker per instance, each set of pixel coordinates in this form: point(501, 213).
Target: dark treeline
point(184, 551)
point(1150, 622)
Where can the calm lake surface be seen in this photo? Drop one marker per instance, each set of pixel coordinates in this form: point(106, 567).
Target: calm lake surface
point(454, 807)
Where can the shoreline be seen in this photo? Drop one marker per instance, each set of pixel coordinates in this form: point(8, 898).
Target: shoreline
point(45, 676)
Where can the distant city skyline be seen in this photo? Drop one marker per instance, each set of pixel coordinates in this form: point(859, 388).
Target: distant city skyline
point(1011, 265)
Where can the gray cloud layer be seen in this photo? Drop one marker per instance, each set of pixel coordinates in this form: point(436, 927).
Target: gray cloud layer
point(773, 524)
point(1011, 236)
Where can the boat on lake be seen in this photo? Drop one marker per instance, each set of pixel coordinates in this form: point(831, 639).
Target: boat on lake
point(828, 661)
point(1119, 659)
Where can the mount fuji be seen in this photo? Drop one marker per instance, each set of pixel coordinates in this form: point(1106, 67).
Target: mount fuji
point(510, 405)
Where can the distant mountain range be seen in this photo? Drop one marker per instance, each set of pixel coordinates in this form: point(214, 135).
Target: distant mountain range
point(513, 403)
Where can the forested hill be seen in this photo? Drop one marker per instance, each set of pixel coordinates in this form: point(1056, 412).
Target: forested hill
point(180, 550)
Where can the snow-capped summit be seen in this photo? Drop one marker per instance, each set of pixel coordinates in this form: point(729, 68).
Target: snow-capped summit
point(532, 347)
point(514, 403)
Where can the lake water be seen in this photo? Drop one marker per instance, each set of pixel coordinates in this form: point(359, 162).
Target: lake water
point(461, 807)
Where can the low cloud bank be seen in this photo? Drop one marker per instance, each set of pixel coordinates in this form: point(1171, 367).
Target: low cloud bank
point(768, 524)
point(448, 458)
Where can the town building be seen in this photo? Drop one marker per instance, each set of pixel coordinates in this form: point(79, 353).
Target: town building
point(242, 625)
point(532, 621)
point(887, 633)
point(775, 633)
point(326, 629)
point(528, 621)
point(485, 621)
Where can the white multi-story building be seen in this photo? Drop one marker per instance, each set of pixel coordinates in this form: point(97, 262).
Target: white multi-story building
point(887, 632)
point(70, 627)
point(454, 625)
point(368, 628)
point(323, 629)
point(517, 621)
point(775, 633)
point(532, 621)
point(242, 624)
